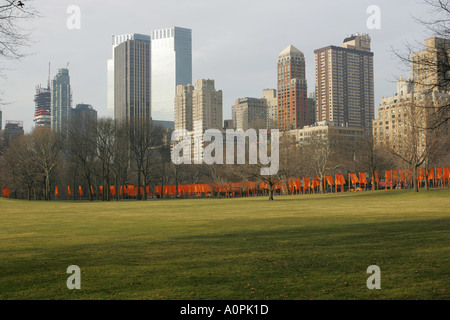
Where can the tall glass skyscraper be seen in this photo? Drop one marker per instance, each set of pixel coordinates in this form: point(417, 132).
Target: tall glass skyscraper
point(116, 40)
point(132, 82)
point(171, 65)
point(61, 101)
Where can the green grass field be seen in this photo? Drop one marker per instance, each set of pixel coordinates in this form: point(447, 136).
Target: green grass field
point(296, 247)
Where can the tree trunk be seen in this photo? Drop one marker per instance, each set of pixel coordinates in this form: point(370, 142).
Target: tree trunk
point(415, 183)
point(271, 189)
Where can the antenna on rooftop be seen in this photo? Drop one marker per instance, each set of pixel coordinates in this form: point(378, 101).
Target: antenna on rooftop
point(48, 82)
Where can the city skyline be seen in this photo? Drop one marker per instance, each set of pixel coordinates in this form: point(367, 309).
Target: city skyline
point(241, 58)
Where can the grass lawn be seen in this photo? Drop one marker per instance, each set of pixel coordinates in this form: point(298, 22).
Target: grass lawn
point(296, 247)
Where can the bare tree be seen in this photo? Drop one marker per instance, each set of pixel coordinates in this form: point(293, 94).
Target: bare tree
point(415, 144)
point(143, 141)
point(121, 157)
point(431, 65)
point(371, 158)
point(322, 154)
point(105, 147)
point(45, 149)
point(13, 36)
point(82, 150)
point(21, 166)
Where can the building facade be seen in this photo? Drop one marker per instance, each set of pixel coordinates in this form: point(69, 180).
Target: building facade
point(43, 107)
point(116, 40)
point(132, 82)
point(183, 107)
point(61, 101)
point(82, 114)
point(207, 105)
point(171, 66)
point(292, 90)
point(197, 109)
point(270, 95)
point(13, 129)
point(344, 81)
point(431, 65)
point(329, 130)
point(403, 118)
point(250, 113)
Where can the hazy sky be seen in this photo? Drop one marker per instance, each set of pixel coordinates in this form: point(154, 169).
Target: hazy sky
point(234, 42)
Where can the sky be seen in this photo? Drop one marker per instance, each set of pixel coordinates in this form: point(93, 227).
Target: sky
point(234, 42)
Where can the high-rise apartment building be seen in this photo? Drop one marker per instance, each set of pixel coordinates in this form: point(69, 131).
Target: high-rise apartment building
point(270, 95)
point(82, 114)
point(311, 109)
point(402, 120)
point(207, 104)
point(183, 107)
point(200, 103)
point(132, 100)
point(61, 101)
point(13, 129)
point(197, 109)
point(250, 113)
point(292, 90)
point(171, 66)
point(43, 107)
point(431, 66)
point(345, 83)
point(116, 40)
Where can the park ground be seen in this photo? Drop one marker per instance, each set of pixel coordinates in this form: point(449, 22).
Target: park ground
point(296, 247)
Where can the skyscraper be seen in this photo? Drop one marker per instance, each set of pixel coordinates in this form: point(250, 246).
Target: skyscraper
point(250, 113)
point(183, 107)
point(270, 95)
point(82, 114)
point(116, 40)
point(132, 82)
point(292, 90)
point(197, 109)
point(207, 104)
point(345, 83)
point(431, 65)
point(171, 66)
point(61, 100)
point(43, 107)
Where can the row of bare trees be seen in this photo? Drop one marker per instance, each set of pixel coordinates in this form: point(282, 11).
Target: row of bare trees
point(103, 153)
point(94, 153)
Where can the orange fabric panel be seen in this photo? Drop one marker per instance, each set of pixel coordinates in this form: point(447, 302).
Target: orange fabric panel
point(306, 182)
point(5, 192)
point(431, 174)
point(388, 176)
point(446, 173)
point(354, 178)
point(329, 179)
point(362, 177)
point(339, 179)
point(421, 174)
point(402, 174)
point(316, 182)
point(439, 174)
point(394, 175)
